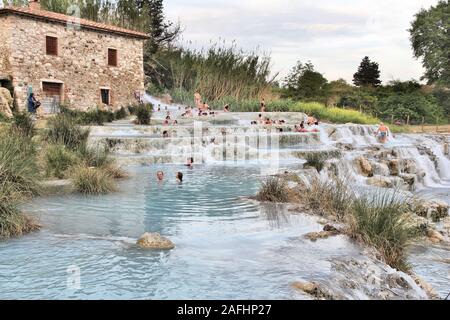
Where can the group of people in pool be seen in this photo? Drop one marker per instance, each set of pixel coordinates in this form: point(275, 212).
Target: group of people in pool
point(179, 176)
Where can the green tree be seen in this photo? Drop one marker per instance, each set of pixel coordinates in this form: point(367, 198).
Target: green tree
point(430, 39)
point(304, 82)
point(368, 74)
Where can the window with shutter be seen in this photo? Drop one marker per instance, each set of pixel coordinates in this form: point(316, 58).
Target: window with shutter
point(51, 44)
point(112, 57)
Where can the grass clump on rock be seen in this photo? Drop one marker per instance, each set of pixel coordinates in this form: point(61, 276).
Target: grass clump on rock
point(274, 189)
point(63, 129)
point(90, 180)
point(381, 220)
point(58, 160)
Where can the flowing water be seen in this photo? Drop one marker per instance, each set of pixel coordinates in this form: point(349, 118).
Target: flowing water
point(227, 246)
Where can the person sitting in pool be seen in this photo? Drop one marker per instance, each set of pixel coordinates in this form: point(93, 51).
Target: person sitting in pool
point(263, 106)
point(311, 121)
point(190, 162)
point(175, 122)
point(315, 127)
point(302, 128)
point(165, 134)
point(179, 177)
point(226, 108)
point(160, 176)
point(166, 122)
point(382, 133)
point(268, 122)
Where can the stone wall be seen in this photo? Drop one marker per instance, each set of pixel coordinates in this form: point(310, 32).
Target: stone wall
point(81, 64)
point(5, 67)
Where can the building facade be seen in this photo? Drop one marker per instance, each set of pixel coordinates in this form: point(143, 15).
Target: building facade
point(64, 60)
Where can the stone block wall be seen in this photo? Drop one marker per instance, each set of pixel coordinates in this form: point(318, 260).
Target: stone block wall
point(81, 65)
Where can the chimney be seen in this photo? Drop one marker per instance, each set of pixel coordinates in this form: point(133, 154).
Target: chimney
point(34, 4)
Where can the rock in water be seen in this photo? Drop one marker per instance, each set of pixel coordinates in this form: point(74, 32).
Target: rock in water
point(364, 166)
point(382, 182)
point(432, 209)
point(155, 241)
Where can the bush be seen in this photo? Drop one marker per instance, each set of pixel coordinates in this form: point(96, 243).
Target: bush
point(120, 114)
point(63, 129)
point(3, 118)
point(95, 156)
point(92, 117)
point(115, 171)
point(58, 159)
point(92, 180)
point(12, 221)
point(143, 114)
point(274, 189)
point(18, 164)
point(381, 220)
point(23, 124)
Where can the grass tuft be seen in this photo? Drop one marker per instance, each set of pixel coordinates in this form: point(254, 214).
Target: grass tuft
point(274, 189)
point(93, 181)
point(63, 129)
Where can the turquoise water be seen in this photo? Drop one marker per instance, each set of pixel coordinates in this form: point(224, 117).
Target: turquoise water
point(227, 247)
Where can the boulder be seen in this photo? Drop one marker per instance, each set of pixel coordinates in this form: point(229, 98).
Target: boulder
point(6, 102)
point(410, 180)
point(155, 241)
point(435, 236)
point(364, 166)
point(313, 289)
point(381, 169)
point(379, 181)
point(409, 166)
point(394, 167)
point(432, 209)
point(328, 231)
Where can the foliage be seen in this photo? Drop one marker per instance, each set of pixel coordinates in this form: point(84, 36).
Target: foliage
point(58, 160)
point(415, 105)
point(92, 180)
point(335, 115)
point(368, 74)
point(18, 164)
point(63, 129)
point(381, 220)
point(216, 72)
point(143, 114)
point(120, 114)
point(274, 189)
point(430, 41)
point(23, 124)
point(304, 83)
point(12, 221)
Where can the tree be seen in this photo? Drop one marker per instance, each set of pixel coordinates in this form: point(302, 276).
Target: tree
point(305, 83)
point(368, 74)
point(430, 40)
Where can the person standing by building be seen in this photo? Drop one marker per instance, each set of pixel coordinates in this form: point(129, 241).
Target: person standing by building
point(33, 105)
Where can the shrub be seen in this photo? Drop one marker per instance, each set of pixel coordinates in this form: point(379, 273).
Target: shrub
point(94, 156)
point(143, 114)
point(23, 124)
point(115, 171)
point(381, 220)
point(18, 164)
point(63, 129)
point(92, 180)
point(12, 221)
point(274, 189)
point(58, 159)
point(3, 118)
point(120, 114)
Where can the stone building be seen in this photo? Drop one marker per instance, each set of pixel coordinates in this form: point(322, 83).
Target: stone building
point(67, 60)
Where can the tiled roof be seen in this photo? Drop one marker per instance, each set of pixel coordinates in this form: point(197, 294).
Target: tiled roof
point(62, 18)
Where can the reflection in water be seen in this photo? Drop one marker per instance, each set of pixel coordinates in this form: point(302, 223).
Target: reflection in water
point(276, 214)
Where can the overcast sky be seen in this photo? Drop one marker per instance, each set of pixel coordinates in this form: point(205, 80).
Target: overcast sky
point(334, 34)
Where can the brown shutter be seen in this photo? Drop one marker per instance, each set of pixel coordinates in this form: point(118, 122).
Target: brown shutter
point(51, 44)
point(112, 57)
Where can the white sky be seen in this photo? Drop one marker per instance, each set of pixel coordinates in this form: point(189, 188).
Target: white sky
point(334, 34)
